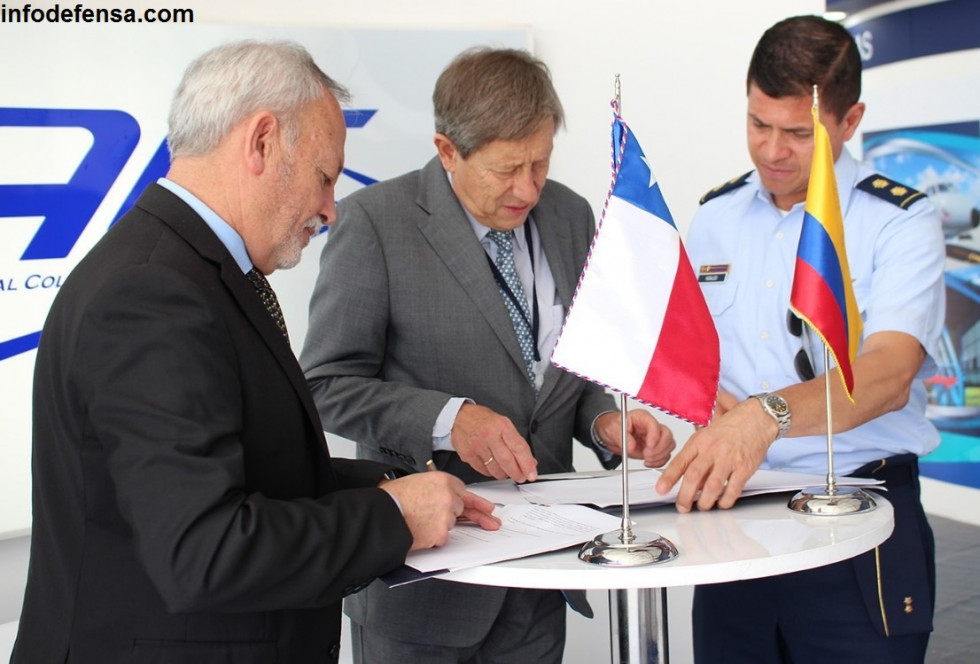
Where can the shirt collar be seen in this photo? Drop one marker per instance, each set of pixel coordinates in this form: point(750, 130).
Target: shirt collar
point(845, 173)
point(228, 235)
point(481, 230)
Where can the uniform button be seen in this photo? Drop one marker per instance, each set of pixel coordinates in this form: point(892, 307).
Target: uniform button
point(779, 235)
point(765, 385)
point(764, 336)
point(769, 283)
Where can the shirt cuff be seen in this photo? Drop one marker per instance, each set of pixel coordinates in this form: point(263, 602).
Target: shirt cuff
point(601, 449)
point(443, 428)
point(397, 504)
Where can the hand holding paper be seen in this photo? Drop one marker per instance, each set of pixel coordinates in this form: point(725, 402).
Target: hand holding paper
point(717, 461)
point(431, 503)
point(525, 530)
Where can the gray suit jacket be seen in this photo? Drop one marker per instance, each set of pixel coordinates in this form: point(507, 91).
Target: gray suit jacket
point(406, 314)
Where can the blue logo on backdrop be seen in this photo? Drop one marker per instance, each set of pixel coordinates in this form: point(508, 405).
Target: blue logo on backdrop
point(68, 208)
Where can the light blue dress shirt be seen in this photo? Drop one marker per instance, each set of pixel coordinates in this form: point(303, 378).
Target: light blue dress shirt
point(550, 310)
point(228, 235)
point(896, 258)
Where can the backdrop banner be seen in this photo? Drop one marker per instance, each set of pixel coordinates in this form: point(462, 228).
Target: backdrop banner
point(922, 129)
point(83, 123)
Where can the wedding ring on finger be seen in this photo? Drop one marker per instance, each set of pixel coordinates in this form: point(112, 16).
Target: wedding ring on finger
point(488, 461)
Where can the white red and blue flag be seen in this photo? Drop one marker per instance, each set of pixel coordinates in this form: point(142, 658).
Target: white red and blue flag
point(638, 322)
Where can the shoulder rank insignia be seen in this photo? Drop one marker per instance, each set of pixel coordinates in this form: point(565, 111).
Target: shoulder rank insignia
point(731, 185)
point(889, 190)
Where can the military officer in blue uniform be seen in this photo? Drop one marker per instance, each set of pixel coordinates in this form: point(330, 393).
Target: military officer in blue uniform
point(771, 409)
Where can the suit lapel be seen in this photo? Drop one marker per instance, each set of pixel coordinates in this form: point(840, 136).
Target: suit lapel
point(448, 232)
point(558, 250)
point(186, 223)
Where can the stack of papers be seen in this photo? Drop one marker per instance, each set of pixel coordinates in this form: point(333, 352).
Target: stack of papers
point(606, 489)
point(525, 530)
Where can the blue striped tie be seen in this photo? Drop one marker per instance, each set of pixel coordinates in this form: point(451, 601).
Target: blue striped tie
point(519, 318)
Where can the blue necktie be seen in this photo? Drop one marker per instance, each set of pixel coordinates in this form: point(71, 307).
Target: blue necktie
point(519, 317)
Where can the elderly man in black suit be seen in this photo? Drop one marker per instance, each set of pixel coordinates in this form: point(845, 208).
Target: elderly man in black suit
point(186, 508)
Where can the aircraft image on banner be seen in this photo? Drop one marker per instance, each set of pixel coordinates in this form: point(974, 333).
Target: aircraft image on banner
point(943, 161)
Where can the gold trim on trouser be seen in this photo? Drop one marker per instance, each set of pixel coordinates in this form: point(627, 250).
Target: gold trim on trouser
point(881, 600)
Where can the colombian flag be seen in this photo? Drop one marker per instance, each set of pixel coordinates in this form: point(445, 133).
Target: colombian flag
point(822, 294)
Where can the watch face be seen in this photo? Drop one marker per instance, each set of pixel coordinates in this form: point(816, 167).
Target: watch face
point(778, 404)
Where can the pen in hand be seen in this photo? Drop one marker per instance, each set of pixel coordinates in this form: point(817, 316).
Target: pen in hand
point(430, 465)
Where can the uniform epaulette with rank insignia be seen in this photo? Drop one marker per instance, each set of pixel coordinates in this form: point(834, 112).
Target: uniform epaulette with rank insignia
point(732, 184)
point(889, 190)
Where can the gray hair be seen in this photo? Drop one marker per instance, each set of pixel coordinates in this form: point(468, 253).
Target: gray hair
point(228, 83)
point(488, 94)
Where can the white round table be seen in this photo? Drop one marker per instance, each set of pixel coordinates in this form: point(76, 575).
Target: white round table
point(758, 537)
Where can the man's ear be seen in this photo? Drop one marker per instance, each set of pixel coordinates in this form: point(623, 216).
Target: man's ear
point(262, 132)
point(852, 119)
point(448, 154)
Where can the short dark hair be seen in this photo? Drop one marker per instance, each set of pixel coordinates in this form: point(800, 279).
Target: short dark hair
point(488, 94)
point(799, 52)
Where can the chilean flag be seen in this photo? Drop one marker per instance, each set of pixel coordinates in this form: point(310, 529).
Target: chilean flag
point(638, 323)
point(822, 294)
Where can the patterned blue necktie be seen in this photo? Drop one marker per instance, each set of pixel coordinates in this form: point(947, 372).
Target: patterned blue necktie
point(508, 270)
point(269, 299)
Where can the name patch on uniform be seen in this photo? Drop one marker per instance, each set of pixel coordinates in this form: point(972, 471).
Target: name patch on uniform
point(712, 274)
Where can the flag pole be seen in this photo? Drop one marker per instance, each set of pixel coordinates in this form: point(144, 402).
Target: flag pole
point(626, 527)
point(831, 480)
point(830, 500)
point(624, 548)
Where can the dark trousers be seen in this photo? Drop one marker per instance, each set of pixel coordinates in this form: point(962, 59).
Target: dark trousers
point(530, 628)
point(875, 608)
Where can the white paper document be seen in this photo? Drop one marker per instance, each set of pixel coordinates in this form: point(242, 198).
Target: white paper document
point(607, 491)
point(525, 529)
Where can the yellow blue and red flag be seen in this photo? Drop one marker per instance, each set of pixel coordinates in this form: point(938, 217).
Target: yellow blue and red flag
point(822, 294)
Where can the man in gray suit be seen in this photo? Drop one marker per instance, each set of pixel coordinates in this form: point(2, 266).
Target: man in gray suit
point(439, 299)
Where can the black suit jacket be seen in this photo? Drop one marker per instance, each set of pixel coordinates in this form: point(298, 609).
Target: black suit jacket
point(185, 506)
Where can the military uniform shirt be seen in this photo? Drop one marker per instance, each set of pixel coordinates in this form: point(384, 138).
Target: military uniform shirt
point(744, 251)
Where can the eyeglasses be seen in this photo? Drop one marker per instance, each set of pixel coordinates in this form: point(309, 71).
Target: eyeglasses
point(802, 363)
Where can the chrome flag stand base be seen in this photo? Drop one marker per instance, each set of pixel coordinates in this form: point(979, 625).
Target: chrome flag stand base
point(638, 616)
point(832, 501)
point(623, 547)
point(644, 549)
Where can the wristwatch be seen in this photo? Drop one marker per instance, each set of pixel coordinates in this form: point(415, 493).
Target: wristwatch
point(777, 407)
